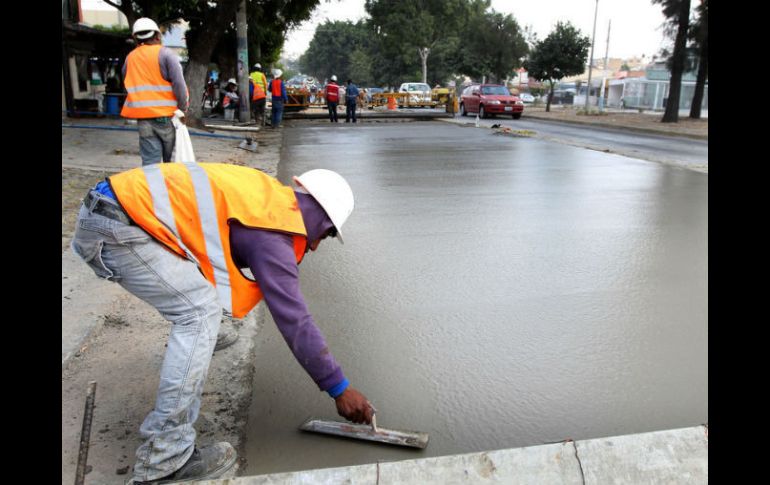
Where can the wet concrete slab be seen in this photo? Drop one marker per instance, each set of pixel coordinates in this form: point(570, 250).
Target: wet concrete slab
point(494, 292)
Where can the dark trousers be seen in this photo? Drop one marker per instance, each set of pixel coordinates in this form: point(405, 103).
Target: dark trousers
point(258, 110)
point(332, 111)
point(277, 113)
point(350, 108)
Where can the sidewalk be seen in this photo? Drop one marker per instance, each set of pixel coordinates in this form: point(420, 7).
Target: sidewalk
point(111, 337)
point(647, 122)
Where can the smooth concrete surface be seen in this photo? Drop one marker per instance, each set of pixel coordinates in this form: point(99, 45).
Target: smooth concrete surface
point(495, 292)
point(678, 456)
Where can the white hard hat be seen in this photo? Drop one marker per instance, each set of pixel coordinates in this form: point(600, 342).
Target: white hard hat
point(332, 192)
point(258, 66)
point(145, 28)
point(232, 81)
point(334, 78)
point(277, 72)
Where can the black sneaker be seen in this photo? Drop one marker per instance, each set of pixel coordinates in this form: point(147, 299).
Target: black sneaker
point(205, 463)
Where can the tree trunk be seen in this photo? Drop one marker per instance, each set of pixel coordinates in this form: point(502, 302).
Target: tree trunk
point(550, 97)
point(672, 105)
point(424, 52)
point(199, 51)
point(703, 70)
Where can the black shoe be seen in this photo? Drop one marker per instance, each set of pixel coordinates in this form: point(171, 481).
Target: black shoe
point(205, 463)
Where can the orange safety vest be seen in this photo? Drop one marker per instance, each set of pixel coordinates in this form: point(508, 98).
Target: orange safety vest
point(260, 85)
point(188, 207)
point(259, 91)
point(149, 95)
point(332, 93)
point(276, 90)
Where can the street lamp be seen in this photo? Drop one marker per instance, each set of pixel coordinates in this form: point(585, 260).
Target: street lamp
point(591, 63)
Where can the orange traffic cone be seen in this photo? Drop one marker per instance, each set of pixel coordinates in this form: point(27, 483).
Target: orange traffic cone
point(391, 102)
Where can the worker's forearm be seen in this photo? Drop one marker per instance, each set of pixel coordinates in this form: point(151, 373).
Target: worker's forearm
point(270, 256)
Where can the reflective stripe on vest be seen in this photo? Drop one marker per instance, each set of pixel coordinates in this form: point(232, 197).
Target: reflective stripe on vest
point(188, 208)
point(259, 91)
point(149, 95)
point(332, 93)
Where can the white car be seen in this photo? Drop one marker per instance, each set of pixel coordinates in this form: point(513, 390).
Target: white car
point(419, 93)
point(527, 98)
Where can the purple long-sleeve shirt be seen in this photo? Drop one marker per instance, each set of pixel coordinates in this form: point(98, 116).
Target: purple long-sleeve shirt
point(270, 256)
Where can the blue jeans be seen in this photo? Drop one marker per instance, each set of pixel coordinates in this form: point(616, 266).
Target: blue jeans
point(277, 113)
point(156, 140)
point(350, 108)
point(129, 256)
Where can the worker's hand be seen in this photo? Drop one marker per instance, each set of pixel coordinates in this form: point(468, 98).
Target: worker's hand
point(353, 406)
point(183, 119)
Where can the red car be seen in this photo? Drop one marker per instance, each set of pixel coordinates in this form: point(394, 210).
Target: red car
point(490, 99)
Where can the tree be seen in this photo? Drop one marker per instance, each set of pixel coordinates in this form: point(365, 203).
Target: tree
point(338, 48)
point(562, 53)
point(415, 27)
point(678, 13)
point(493, 44)
point(701, 36)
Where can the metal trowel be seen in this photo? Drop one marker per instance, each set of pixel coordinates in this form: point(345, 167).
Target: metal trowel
point(414, 439)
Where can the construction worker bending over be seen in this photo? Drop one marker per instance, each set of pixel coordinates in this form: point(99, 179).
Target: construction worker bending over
point(156, 88)
point(177, 236)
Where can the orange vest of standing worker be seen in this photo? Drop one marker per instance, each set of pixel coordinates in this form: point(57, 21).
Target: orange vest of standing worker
point(260, 85)
point(259, 91)
point(275, 88)
point(187, 207)
point(149, 95)
point(332, 92)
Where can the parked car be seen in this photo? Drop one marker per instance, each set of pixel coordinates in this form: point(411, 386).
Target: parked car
point(561, 96)
point(419, 93)
point(490, 99)
point(527, 98)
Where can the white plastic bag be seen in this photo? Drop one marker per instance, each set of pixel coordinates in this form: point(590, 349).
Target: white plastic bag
point(183, 150)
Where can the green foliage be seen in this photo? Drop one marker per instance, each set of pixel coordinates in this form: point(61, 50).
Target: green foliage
point(339, 48)
point(563, 53)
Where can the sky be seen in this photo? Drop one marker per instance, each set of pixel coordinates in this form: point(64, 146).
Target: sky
point(635, 23)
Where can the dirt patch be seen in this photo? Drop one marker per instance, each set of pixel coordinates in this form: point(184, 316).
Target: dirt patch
point(626, 119)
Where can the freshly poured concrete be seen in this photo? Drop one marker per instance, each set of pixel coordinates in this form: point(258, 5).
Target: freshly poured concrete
point(513, 296)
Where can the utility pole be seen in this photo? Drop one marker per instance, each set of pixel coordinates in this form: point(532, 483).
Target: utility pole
point(243, 62)
point(591, 63)
point(604, 70)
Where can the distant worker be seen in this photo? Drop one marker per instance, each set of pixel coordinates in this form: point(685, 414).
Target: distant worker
point(258, 91)
point(332, 95)
point(231, 101)
point(278, 90)
point(156, 88)
point(351, 97)
point(178, 236)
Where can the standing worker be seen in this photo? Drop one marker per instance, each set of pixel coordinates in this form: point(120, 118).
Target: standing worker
point(351, 96)
point(258, 88)
point(332, 94)
point(156, 88)
point(178, 236)
point(278, 90)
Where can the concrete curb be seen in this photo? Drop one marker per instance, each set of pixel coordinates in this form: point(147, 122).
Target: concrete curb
point(616, 127)
point(671, 456)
